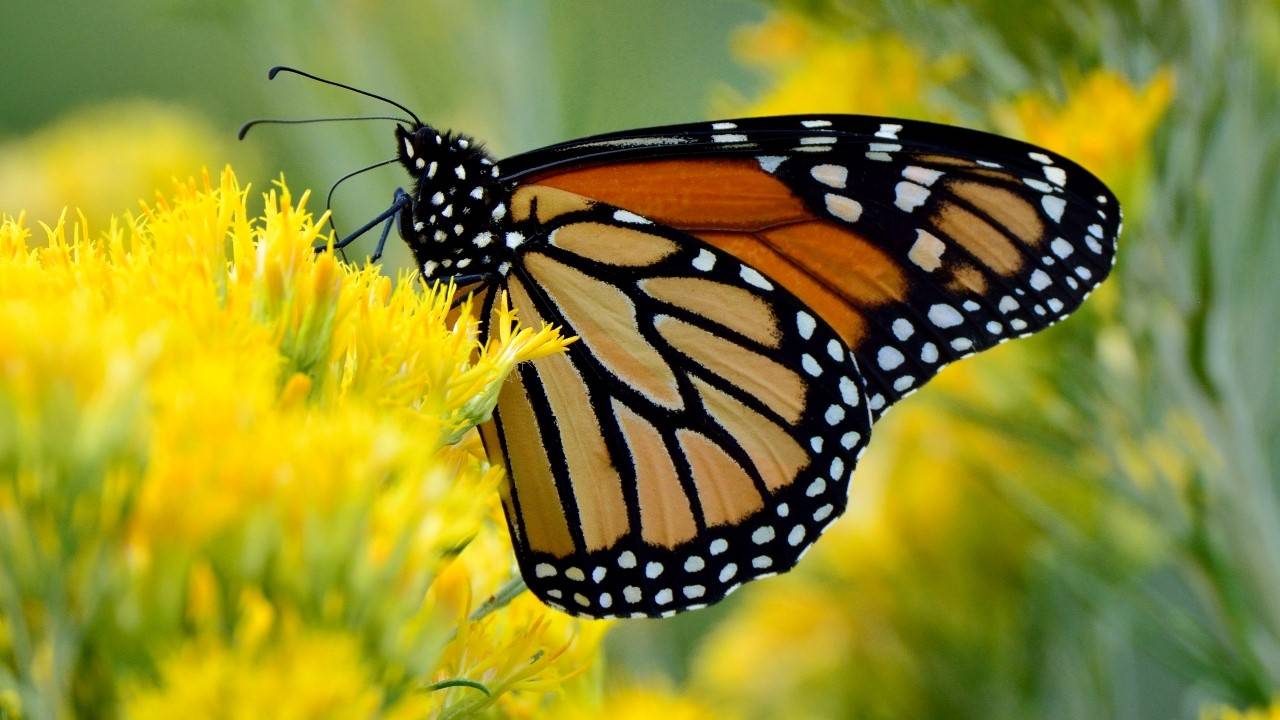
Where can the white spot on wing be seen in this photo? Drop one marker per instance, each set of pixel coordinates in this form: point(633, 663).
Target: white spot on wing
point(754, 278)
point(769, 163)
point(909, 196)
point(627, 216)
point(846, 209)
point(923, 176)
point(889, 131)
point(944, 316)
point(805, 324)
point(1053, 206)
point(849, 392)
point(705, 260)
point(831, 175)
point(889, 358)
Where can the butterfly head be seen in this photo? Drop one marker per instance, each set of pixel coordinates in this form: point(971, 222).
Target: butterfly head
point(455, 203)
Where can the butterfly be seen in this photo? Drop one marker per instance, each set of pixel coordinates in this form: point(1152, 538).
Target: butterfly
point(750, 296)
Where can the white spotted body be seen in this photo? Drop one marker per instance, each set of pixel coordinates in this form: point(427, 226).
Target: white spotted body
point(457, 206)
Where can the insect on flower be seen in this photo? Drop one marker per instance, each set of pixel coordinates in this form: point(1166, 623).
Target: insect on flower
point(750, 296)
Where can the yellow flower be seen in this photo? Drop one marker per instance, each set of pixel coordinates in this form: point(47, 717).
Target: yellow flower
point(1105, 124)
point(103, 158)
point(279, 669)
point(523, 653)
point(646, 702)
point(810, 71)
point(244, 454)
point(1271, 712)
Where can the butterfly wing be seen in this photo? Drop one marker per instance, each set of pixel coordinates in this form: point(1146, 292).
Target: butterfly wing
point(751, 295)
point(698, 435)
point(919, 243)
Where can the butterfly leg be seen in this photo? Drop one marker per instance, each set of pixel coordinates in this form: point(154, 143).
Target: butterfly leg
point(402, 200)
point(399, 200)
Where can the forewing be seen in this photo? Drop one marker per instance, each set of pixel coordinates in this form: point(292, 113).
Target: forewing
point(918, 243)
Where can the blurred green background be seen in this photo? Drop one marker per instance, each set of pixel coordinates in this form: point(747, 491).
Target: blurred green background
point(1084, 524)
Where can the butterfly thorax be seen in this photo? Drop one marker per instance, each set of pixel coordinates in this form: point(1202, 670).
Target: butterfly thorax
point(455, 204)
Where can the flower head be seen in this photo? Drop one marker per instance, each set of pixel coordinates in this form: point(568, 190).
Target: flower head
point(242, 461)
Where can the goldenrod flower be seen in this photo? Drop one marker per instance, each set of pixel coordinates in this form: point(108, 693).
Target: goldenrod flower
point(646, 702)
point(1105, 124)
point(102, 158)
point(228, 477)
point(811, 71)
point(1271, 712)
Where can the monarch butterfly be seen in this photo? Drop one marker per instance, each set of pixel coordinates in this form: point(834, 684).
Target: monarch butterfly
point(750, 296)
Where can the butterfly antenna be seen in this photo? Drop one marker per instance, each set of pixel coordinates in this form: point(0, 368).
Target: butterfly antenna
point(328, 201)
point(244, 129)
point(271, 74)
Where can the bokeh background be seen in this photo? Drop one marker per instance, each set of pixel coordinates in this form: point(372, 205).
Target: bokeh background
point(1084, 524)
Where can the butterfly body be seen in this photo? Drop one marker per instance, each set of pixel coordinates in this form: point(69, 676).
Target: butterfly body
point(750, 296)
point(454, 215)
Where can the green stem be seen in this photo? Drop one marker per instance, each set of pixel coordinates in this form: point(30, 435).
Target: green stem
point(500, 599)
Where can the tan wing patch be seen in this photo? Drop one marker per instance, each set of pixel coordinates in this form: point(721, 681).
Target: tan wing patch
point(945, 160)
point(967, 278)
point(776, 385)
point(666, 518)
point(529, 472)
point(543, 204)
point(605, 320)
point(612, 245)
point(602, 512)
point(1003, 206)
point(775, 453)
point(733, 307)
point(597, 488)
point(987, 243)
point(725, 491)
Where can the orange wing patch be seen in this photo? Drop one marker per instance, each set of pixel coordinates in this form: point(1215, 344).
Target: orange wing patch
point(744, 211)
point(713, 194)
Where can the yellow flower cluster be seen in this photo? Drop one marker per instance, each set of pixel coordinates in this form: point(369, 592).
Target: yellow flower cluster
point(101, 158)
point(229, 482)
point(810, 71)
point(1271, 712)
point(1105, 125)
